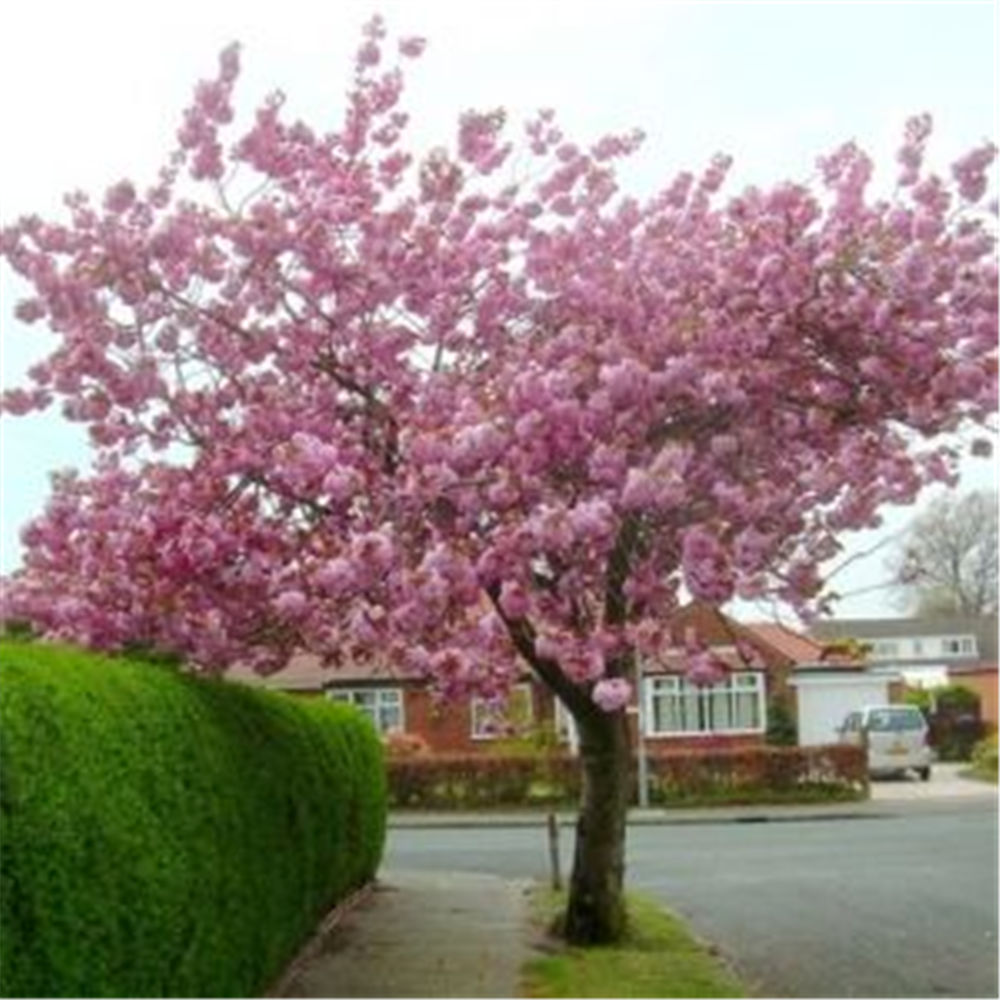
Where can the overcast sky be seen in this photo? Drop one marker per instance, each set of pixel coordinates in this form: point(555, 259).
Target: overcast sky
point(91, 92)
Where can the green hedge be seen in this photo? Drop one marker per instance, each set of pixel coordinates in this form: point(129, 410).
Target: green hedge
point(754, 775)
point(162, 835)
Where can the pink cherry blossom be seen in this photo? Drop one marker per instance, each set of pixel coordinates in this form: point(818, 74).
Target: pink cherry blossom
point(704, 669)
point(612, 695)
point(405, 403)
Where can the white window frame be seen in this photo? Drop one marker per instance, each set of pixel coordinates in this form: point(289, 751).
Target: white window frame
point(380, 696)
point(964, 645)
point(483, 712)
point(885, 649)
point(677, 686)
point(566, 728)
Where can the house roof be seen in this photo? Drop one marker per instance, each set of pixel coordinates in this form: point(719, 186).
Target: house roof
point(777, 646)
point(794, 645)
point(983, 628)
point(306, 672)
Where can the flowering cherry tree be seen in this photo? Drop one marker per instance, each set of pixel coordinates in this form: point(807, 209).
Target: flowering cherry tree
point(478, 411)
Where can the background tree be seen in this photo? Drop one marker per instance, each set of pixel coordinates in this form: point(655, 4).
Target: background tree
point(947, 561)
point(471, 411)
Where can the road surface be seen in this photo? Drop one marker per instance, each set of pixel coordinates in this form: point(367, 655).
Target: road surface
point(890, 905)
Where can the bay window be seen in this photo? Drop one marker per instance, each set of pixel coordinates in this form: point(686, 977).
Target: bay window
point(677, 707)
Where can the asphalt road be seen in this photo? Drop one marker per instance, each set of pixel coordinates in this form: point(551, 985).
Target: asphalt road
point(902, 905)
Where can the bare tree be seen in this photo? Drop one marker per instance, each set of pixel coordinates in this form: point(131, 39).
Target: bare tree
point(947, 560)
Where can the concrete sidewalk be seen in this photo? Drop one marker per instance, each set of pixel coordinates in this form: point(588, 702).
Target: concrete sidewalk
point(433, 934)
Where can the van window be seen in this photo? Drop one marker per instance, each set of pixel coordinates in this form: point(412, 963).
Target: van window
point(887, 720)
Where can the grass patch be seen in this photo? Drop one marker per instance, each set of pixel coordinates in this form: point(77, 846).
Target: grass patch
point(659, 958)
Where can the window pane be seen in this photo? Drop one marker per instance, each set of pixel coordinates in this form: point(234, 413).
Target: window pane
point(390, 718)
point(747, 711)
point(383, 706)
point(690, 706)
point(721, 701)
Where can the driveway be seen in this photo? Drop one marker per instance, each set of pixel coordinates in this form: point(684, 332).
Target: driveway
point(947, 783)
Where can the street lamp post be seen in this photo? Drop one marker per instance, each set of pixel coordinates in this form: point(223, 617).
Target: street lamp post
point(642, 761)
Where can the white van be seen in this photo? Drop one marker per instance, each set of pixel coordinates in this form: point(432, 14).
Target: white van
point(895, 737)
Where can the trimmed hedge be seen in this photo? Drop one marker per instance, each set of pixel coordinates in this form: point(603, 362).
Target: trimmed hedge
point(162, 835)
point(754, 774)
point(760, 774)
point(482, 781)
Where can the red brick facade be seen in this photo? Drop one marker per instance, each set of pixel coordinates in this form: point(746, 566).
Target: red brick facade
point(448, 728)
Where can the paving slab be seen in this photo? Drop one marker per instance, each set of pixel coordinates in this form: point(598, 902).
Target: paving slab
point(423, 934)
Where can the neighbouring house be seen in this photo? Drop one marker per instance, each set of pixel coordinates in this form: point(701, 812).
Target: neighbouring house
point(929, 652)
point(827, 685)
point(829, 688)
point(675, 712)
point(824, 686)
point(924, 650)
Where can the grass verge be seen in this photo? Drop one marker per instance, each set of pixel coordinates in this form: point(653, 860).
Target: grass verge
point(659, 958)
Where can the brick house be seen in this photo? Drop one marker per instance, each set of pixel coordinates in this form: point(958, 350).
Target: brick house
point(675, 712)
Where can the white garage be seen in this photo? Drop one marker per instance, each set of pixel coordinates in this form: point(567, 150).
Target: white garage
point(826, 694)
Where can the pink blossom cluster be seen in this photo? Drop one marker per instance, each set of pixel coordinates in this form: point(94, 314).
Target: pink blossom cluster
point(374, 402)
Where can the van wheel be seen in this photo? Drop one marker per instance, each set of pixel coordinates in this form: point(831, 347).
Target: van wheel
point(925, 773)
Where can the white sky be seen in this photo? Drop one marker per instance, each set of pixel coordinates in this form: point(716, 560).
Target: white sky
point(91, 91)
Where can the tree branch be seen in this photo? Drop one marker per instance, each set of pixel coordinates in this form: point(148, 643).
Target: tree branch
point(523, 635)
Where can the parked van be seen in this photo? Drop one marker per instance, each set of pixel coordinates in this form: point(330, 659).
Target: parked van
point(895, 737)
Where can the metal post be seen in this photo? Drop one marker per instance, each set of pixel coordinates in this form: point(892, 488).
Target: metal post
point(642, 761)
point(554, 863)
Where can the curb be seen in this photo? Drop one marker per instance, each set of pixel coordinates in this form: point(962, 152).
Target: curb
point(870, 810)
point(567, 822)
point(310, 949)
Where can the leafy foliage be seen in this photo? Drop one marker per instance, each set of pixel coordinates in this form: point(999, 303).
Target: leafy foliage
point(782, 728)
point(169, 836)
point(984, 758)
point(717, 777)
point(954, 713)
point(760, 774)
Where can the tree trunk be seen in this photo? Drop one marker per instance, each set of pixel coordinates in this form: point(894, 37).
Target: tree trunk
point(595, 913)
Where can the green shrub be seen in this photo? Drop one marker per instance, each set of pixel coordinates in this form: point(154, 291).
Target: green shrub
point(954, 714)
point(169, 836)
point(984, 758)
point(759, 774)
point(782, 729)
point(482, 781)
